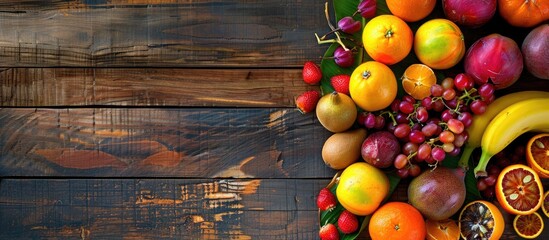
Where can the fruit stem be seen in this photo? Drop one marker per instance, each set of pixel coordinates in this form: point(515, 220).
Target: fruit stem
point(480, 169)
point(328, 16)
point(464, 160)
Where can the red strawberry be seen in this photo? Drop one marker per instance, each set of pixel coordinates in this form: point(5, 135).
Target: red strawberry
point(347, 222)
point(311, 73)
point(306, 102)
point(328, 232)
point(341, 83)
point(326, 200)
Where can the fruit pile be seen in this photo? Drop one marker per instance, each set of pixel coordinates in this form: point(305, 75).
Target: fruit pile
point(404, 98)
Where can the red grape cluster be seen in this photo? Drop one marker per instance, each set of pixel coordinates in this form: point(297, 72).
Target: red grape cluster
point(434, 127)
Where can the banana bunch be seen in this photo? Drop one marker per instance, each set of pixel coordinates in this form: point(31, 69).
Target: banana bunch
point(506, 118)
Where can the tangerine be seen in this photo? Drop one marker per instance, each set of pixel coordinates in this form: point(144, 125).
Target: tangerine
point(411, 10)
point(361, 188)
point(417, 80)
point(439, 43)
point(528, 226)
point(397, 220)
point(522, 13)
point(442, 230)
point(537, 154)
point(387, 39)
point(519, 190)
point(373, 86)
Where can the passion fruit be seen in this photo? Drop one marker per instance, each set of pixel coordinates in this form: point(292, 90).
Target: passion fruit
point(380, 149)
point(481, 220)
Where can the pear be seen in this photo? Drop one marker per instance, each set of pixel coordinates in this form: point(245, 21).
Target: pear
point(343, 149)
point(336, 112)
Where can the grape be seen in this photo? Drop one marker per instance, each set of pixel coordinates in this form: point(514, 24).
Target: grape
point(406, 107)
point(466, 118)
point(414, 170)
point(421, 114)
point(447, 83)
point(409, 99)
point(478, 107)
point(449, 94)
point(401, 161)
point(448, 147)
point(481, 185)
point(493, 170)
point(429, 129)
point(403, 172)
point(379, 122)
point(456, 126)
point(446, 136)
point(436, 90)
point(447, 114)
point(490, 180)
point(489, 193)
point(401, 118)
point(438, 106)
point(438, 154)
point(490, 99)
point(370, 120)
point(455, 152)
point(402, 130)
point(452, 103)
point(427, 102)
point(361, 118)
point(409, 148)
point(416, 136)
point(424, 151)
point(463, 81)
point(395, 104)
point(460, 139)
point(486, 90)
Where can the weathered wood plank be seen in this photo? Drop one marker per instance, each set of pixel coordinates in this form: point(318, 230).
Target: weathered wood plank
point(172, 142)
point(35, 87)
point(160, 34)
point(167, 209)
point(159, 208)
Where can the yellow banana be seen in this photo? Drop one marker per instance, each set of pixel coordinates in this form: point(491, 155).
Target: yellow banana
point(511, 122)
point(480, 122)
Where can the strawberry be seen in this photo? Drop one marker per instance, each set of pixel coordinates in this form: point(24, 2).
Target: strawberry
point(341, 83)
point(311, 73)
point(326, 200)
point(328, 232)
point(347, 222)
point(306, 102)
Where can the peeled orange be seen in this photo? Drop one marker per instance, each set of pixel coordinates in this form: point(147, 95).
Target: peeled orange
point(417, 80)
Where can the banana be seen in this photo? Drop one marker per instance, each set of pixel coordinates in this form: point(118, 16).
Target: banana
point(511, 122)
point(480, 122)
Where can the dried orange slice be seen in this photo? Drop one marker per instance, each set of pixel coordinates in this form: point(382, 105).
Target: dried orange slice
point(528, 226)
point(441, 230)
point(537, 154)
point(417, 80)
point(519, 190)
point(481, 220)
point(545, 204)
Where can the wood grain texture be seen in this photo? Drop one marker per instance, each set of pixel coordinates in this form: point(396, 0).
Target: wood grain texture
point(160, 34)
point(36, 87)
point(170, 142)
point(159, 208)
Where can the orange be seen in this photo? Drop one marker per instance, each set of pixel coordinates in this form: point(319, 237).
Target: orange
point(442, 230)
point(545, 204)
point(411, 10)
point(439, 43)
point(397, 220)
point(521, 13)
point(417, 80)
point(373, 86)
point(528, 226)
point(481, 220)
point(537, 154)
point(519, 190)
point(387, 39)
point(361, 188)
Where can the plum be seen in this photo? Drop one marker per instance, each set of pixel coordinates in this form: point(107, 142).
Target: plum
point(380, 149)
point(535, 49)
point(470, 13)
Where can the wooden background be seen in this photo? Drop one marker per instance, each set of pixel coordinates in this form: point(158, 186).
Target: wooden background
point(166, 119)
